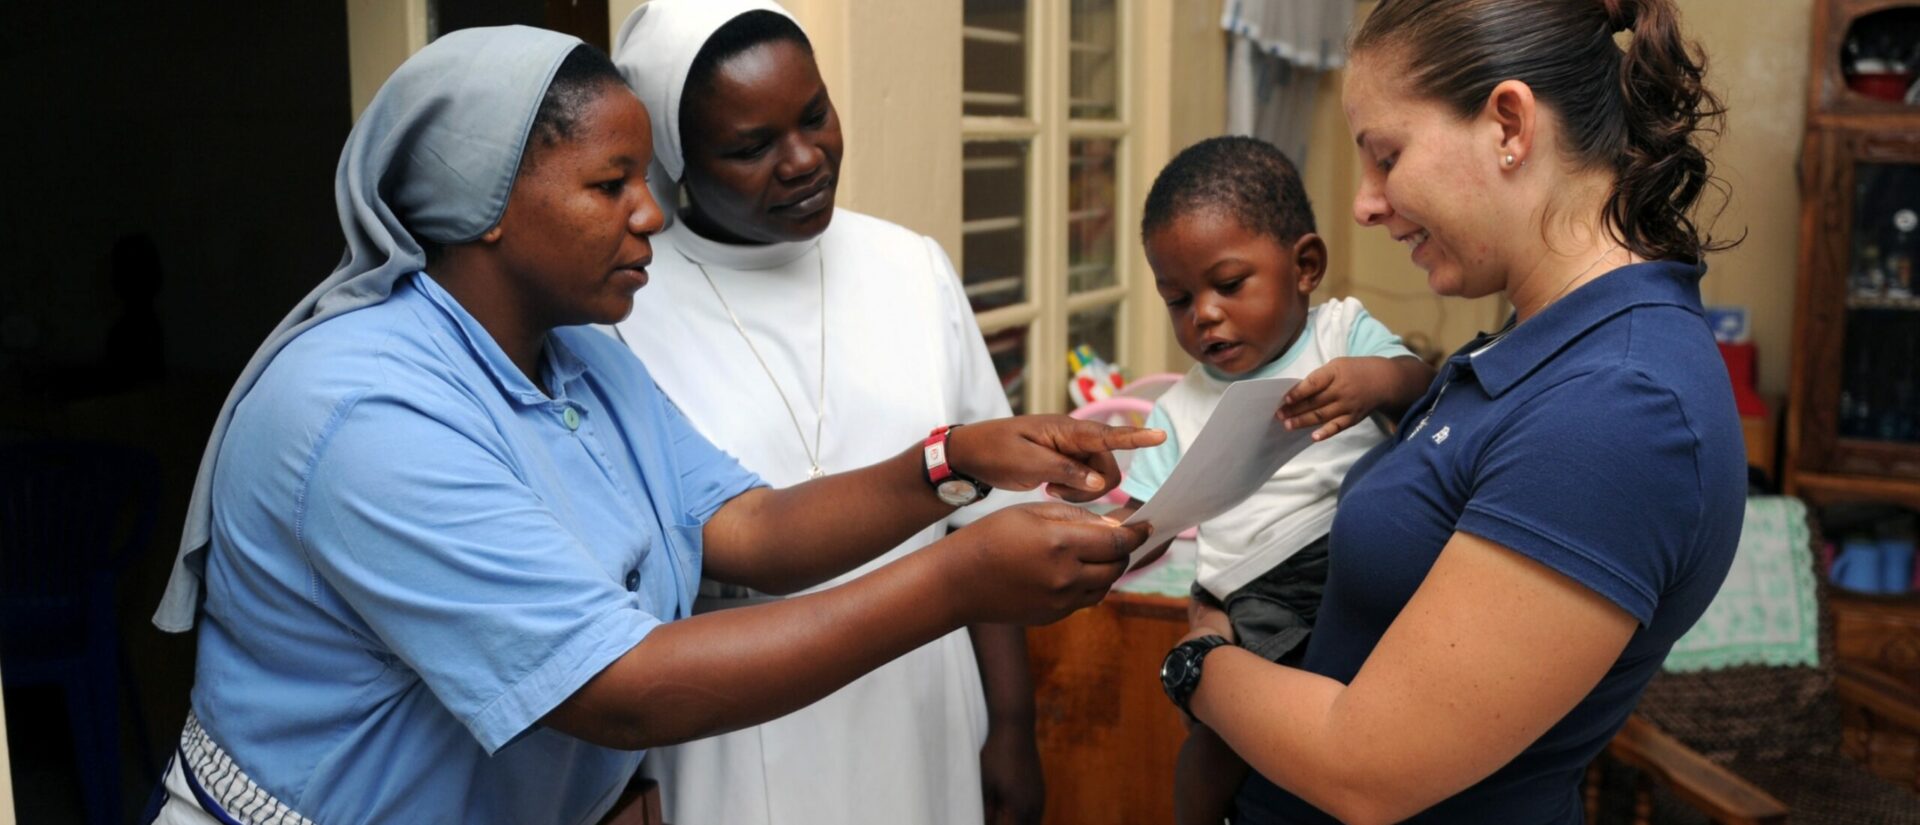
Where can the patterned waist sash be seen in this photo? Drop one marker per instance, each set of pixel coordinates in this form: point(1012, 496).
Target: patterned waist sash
point(224, 791)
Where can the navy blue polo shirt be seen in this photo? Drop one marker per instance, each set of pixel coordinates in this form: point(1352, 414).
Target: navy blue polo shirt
point(1600, 439)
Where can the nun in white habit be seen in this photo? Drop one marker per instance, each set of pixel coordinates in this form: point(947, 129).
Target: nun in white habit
point(805, 339)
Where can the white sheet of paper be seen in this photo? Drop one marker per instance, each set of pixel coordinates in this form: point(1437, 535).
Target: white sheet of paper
point(1241, 447)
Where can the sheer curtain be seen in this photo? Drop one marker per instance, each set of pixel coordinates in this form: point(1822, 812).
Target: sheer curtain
point(1279, 49)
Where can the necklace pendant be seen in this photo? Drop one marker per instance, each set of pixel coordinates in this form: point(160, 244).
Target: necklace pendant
point(816, 472)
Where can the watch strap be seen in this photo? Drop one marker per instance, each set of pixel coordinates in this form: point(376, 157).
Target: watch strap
point(937, 464)
point(1194, 652)
point(934, 450)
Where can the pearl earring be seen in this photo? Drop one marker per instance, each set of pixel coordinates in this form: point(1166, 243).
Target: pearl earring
point(1508, 160)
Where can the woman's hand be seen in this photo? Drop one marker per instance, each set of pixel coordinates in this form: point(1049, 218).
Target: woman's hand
point(1073, 458)
point(1035, 563)
point(1010, 777)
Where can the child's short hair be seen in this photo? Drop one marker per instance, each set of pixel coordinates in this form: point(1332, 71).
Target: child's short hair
point(1245, 177)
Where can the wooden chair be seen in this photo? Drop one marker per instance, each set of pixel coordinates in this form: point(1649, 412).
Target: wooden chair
point(1755, 745)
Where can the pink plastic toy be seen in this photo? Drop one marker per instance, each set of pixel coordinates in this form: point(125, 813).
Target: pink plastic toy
point(1150, 387)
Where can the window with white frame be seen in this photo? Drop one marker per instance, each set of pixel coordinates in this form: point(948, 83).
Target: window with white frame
point(1045, 130)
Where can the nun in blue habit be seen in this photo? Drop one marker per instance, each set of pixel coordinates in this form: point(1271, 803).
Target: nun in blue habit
point(444, 541)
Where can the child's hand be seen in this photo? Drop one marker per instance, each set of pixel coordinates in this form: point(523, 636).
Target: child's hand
point(1338, 395)
point(1208, 618)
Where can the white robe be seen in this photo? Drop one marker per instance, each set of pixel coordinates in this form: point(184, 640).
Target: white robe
point(901, 744)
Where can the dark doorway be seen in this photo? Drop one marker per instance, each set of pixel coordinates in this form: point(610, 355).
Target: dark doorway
point(585, 19)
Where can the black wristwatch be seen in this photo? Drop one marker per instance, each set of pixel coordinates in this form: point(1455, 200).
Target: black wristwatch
point(1180, 672)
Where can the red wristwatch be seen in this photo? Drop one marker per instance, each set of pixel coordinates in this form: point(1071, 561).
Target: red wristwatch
point(953, 488)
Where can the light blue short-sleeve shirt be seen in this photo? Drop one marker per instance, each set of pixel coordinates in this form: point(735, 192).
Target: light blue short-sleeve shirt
point(417, 554)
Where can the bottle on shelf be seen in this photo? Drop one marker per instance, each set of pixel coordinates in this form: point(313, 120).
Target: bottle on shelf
point(1868, 279)
point(1899, 262)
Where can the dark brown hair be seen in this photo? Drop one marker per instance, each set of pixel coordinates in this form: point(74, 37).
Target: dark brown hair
point(1642, 110)
point(1245, 177)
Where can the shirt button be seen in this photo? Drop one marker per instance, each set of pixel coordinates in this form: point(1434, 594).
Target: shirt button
point(571, 417)
point(633, 579)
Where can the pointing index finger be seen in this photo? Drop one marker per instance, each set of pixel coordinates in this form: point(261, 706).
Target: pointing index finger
point(1102, 438)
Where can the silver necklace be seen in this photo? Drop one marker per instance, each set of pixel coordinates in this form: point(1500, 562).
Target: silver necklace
point(820, 406)
point(1576, 279)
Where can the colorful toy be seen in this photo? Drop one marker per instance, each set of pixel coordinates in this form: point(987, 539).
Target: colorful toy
point(1093, 378)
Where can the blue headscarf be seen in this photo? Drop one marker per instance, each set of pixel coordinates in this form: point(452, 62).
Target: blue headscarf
point(433, 159)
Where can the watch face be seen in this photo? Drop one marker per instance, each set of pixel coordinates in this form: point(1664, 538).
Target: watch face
point(1174, 670)
point(957, 491)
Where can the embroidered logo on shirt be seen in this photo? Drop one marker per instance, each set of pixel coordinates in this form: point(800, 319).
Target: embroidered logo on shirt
point(1441, 436)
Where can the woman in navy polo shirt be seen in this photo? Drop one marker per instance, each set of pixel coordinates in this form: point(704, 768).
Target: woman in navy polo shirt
point(1564, 502)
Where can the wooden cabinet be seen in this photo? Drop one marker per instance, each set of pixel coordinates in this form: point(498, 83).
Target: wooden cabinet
point(1853, 422)
point(1880, 635)
point(1854, 413)
point(1108, 736)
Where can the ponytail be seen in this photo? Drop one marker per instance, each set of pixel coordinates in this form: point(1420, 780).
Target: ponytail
point(1646, 117)
point(1661, 170)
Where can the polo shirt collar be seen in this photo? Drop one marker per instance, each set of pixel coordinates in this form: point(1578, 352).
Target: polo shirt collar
point(562, 365)
point(1529, 346)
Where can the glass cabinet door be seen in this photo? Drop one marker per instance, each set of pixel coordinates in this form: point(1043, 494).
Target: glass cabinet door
point(1879, 399)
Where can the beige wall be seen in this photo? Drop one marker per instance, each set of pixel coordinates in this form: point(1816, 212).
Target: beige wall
point(1192, 83)
point(380, 36)
point(1757, 61)
point(1196, 83)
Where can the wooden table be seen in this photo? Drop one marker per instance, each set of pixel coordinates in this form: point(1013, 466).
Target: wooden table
point(1108, 736)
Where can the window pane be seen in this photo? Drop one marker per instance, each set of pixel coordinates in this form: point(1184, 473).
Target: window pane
point(994, 58)
point(1093, 61)
point(1091, 238)
point(1008, 349)
point(1098, 328)
point(993, 226)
